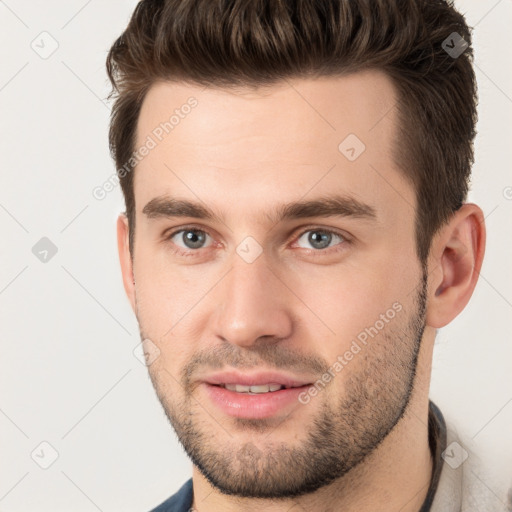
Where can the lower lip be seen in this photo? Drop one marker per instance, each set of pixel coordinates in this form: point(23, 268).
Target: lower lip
point(259, 405)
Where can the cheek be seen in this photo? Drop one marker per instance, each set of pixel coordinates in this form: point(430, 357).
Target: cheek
point(173, 311)
point(349, 298)
point(167, 294)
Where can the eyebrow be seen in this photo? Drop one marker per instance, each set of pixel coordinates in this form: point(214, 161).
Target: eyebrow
point(329, 206)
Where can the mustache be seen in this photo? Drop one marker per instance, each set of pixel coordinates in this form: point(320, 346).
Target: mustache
point(270, 356)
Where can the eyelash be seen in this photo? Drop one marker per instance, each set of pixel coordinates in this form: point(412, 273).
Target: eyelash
point(316, 252)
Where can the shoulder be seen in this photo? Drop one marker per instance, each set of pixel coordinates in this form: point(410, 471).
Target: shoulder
point(179, 502)
point(464, 483)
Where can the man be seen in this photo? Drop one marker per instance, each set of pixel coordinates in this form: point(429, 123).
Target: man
point(295, 176)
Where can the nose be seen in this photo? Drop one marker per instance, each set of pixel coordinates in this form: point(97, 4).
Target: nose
point(253, 305)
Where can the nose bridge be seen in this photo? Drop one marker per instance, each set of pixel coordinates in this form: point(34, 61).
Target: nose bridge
point(252, 303)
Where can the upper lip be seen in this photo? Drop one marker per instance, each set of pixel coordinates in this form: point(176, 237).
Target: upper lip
point(255, 379)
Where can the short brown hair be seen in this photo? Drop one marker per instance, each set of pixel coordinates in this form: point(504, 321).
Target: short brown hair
point(238, 43)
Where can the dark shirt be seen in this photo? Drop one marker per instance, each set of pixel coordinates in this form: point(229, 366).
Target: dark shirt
point(179, 502)
point(182, 500)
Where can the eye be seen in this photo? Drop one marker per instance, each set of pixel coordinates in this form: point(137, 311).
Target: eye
point(320, 239)
point(189, 238)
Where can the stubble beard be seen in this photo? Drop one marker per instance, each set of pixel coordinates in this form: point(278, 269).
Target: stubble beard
point(345, 430)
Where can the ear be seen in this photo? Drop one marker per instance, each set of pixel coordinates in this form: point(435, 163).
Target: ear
point(455, 261)
point(123, 246)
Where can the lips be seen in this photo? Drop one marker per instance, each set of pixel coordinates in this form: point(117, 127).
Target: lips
point(255, 396)
point(256, 379)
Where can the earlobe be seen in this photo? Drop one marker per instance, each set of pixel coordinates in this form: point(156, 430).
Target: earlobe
point(456, 259)
point(125, 258)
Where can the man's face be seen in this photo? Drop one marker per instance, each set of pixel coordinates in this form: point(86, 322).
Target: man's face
point(262, 294)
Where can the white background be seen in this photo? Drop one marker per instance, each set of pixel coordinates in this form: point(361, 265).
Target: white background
point(68, 375)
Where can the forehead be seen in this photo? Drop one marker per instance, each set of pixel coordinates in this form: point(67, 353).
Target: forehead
point(273, 144)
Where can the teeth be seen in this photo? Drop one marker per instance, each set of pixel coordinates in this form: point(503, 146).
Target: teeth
point(264, 388)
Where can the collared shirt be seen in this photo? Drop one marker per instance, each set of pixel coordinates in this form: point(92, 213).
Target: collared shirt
point(454, 486)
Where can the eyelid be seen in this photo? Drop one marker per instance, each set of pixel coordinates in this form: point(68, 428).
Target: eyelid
point(332, 231)
point(169, 233)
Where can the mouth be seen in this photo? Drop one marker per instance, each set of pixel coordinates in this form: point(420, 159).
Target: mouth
point(261, 395)
point(255, 390)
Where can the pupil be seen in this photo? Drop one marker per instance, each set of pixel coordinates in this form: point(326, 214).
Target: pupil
point(193, 239)
point(320, 242)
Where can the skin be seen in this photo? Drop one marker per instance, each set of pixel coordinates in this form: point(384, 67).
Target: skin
point(295, 308)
